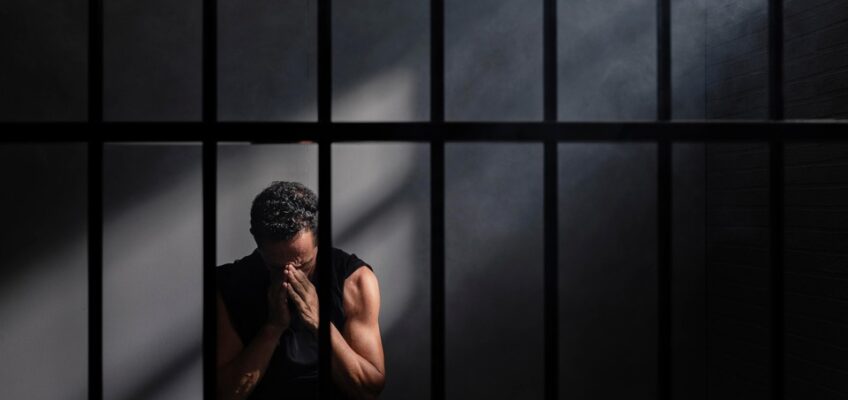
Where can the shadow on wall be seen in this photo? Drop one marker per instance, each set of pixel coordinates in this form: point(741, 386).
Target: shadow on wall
point(43, 279)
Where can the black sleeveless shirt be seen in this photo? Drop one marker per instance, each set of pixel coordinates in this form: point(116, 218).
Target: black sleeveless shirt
point(292, 373)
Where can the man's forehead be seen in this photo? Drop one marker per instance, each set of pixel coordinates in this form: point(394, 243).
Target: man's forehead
point(294, 252)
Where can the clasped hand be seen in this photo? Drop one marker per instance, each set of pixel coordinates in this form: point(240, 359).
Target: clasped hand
point(302, 292)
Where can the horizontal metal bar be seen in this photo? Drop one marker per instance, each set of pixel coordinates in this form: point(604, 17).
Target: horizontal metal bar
point(291, 132)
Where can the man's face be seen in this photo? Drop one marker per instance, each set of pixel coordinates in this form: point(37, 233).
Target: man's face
point(300, 252)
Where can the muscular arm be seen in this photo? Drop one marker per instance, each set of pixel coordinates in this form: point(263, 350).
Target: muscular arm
point(357, 360)
point(239, 368)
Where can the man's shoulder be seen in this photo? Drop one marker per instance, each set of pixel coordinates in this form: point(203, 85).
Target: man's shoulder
point(347, 262)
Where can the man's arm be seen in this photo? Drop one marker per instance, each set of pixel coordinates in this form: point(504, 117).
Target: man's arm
point(358, 364)
point(240, 369)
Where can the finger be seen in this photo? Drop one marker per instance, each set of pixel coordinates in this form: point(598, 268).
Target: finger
point(291, 278)
point(282, 289)
point(298, 300)
point(301, 277)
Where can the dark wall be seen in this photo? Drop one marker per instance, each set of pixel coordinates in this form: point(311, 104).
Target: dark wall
point(738, 271)
point(816, 76)
point(816, 270)
point(43, 272)
point(816, 363)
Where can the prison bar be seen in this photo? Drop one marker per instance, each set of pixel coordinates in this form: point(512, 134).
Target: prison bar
point(437, 133)
point(776, 228)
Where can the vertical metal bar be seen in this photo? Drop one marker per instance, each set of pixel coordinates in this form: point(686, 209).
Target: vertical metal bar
point(210, 176)
point(663, 60)
point(551, 223)
point(775, 59)
point(325, 229)
point(437, 271)
point(776, 275)
point(325, 65)
point(95, 267)
point(776, 152)
point(664, 203)
point(324, 267)
point(550, 59)
point(95, 60)
point(210, 61)
point(437, 198)
point(706, 272)
point(551, 271)
point(437, 60)
point(95, 200)
point(210, 167)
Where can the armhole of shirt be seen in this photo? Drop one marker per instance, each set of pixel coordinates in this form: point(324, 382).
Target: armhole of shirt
point(353, 263)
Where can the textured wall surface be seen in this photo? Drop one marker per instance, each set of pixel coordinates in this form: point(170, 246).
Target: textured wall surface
point(688, 59)
point(816, 58)
point(43, 278)
point(267, 58)
point(152, 60)
point(493, 60)
point(607, 54)
point(688, 272)
point(152, 272)
point(736, 59)
point(738, 271)
point(44, 72)
point(493, 271)
point(381, 53)
point(816, 267)
point(607, 271)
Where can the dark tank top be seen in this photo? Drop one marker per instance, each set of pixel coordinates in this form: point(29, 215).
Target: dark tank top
point(292, 373)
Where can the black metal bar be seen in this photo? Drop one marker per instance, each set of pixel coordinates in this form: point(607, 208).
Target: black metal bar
point(210, 60)
point(95, 60)
point(325, 100)
point(437, 198)
point(664, 204)
point(551, 224)
point(210, 176)
point(289, 132)
point(95, 270)
point(210, 168)
point(551, 271)
point(550, 59)
point(95, 199)
point(663, 60)
point(325, 63)
point(706, 274)
point(776, 225)
point(664, 257)
point(324, 266)
point(437, 271)
point(775, 59)
point(437, 60)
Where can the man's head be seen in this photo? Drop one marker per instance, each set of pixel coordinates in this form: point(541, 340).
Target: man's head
point(284, 223)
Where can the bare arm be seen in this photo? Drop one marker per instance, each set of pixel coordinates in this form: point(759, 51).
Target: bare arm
point(240, 369)
point(357, 360)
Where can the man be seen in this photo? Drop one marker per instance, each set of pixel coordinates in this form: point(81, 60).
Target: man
point(268, 309)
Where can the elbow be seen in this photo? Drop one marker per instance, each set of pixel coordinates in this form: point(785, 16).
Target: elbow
point(369, 387)
point(378, 382)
